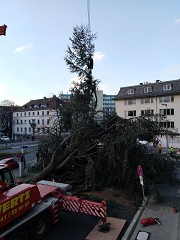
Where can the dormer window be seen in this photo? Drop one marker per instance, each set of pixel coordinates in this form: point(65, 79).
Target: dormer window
point(167, 87)
point(147, 89)
point(130, 91)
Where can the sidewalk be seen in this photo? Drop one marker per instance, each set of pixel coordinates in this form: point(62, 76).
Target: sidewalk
point(169, 229)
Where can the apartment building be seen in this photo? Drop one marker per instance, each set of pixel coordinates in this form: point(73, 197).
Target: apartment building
point(108, 104)
point(105, 104)
point(36, 117)
point(161, 97)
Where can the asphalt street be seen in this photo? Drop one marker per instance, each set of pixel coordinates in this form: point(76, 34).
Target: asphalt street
point(16, 147)
point(74, 226)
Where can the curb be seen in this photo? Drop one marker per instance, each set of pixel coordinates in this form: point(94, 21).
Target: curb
point(134, 222)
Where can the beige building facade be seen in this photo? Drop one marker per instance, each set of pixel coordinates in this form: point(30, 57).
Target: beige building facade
point(161, 97)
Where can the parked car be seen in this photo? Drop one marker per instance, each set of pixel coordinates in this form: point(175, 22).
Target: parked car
point(143, 142)
point(11, 162)
point(4, 138)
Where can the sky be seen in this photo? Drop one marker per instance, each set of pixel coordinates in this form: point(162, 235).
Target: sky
point(137, 41)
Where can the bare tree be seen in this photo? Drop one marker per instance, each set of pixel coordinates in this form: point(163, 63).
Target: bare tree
point(7, 103)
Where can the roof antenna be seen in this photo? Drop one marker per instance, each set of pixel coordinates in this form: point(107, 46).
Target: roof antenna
point(88, 10)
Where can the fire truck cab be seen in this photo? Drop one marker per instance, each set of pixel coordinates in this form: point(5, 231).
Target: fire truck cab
point(7, 179)
point(28, 210)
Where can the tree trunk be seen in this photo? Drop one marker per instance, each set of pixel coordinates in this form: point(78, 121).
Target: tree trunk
point(56, 164)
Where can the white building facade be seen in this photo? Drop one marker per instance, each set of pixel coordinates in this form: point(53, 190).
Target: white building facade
point(158, 98)
point(36, 117)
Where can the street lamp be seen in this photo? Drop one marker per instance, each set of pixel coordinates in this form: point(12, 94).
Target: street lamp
point(12, 136)
point(164, 104)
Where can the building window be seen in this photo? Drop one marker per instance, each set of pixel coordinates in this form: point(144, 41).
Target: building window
point(130, 91)
point(33, 113)
point(167, 87)
point(147, 112)
point(38, 122)
point(38, 129)
point(25, 130)
point(29, 121)
point(130, 113)
point(43, 122)
point(24, 113)
point(17, 114)
point(17, 129)
point(47, 121)
point(29, 113)
point(147, 89)
point(147, 100)
point(169, 124)
point(166, 99)
point(29, 130)
point(48, 113)
point(129, 101)
point(38, 113)
point(21, 122)
point(21, 129)
point(25, 121)
point(17, 121)
point(170, 111)
point(42, 112)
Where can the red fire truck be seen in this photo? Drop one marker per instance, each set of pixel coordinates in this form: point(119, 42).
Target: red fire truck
point(27, 211)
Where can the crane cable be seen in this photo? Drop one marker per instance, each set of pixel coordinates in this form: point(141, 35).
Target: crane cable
point(88, 10)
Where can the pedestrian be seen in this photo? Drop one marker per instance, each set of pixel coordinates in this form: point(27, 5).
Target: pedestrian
point(157, 142)
point(160, 148)
point(37, 156)
point(171, 151)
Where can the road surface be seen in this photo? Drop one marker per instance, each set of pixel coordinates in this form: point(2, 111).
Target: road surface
point(74, 226)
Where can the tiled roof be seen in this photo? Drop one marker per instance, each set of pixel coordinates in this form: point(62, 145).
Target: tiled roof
point(156, 90)
point(40, 104)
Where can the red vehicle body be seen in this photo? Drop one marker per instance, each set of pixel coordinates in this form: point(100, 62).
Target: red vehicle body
point(10, 162)
point(28, 210)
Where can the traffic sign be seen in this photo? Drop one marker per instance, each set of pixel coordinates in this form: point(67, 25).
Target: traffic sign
point(139, 170)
